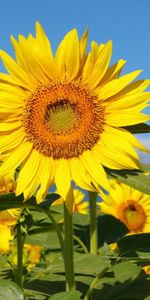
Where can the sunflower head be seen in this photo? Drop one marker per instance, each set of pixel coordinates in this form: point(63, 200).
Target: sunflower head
point(80, 205)
point(147, 269)
point(59, 113)
point(9, 216)
point(130, 206)
point(6, 235)
point(7, 184)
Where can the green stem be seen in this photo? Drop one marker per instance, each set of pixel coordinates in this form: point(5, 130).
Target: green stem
point(68, 247)
point(81, 243)
point(94, 283)
point(19, 271)
point(93, 223)
point(58, 230)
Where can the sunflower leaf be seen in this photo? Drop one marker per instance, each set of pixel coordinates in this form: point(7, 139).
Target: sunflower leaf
point(72, 295)
point(131, 243)
point(8, 201)
point(9, 290)
point(134, 178)
point(138, 128)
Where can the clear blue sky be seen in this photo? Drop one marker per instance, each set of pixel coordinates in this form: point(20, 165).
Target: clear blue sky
point(126, 22)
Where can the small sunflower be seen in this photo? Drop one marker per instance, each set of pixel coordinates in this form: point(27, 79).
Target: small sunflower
point(147, 269)
point(7, 184)
point(79, 205)
point(8, 218)
point(31, 255)
point(63, 115)
point(130, 206)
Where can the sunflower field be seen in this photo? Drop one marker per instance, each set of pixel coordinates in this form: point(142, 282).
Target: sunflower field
point(74, 194)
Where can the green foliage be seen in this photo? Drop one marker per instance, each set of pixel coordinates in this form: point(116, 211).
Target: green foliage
point(114, 274)
point(8, 201)
point(138, 128)
point(9, 290)
point(73, 295)
point(137, 242)
point(134, 178)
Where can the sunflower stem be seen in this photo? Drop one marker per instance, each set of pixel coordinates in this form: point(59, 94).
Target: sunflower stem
point(93, 222)
point(19, 270)
point(68, 247)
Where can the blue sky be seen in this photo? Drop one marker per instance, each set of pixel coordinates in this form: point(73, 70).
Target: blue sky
point(126, 22)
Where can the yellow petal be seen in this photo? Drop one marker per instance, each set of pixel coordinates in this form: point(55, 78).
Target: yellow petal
point(16, 71)
point(67, 56)
point(44, 52)
point(15, 159)
point(129, 102)
point(116, 85)
point(10, 89)
point(80, 175)
point(83, 44)
point(100, 66)
point(47, 179)
point(7, 79)
point(62, 178)
point(123, 118)
point(119, 143)
point(10, 126)
point(21, 59)
point(95, 169)
point(28, 172)
point(128, 137)
point(13, 140)
point(113, 72)
point(113, 159)
point(31, 60)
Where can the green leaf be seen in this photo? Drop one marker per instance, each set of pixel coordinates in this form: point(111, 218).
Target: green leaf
point(33, 295)
point(109, 229)
point(126, 270)
point(138, 128)
point(133, 178)
point(90, 264)
point(84, 264)
point(130, 289)
point(8, 201)
point(136, 242)
point(81, 219)
point(46, 239)
point(145, 167)
point(9, 290)
point(73, 295)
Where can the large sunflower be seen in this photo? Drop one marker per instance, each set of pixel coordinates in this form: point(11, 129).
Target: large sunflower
point(63, 115)
point(130, 206)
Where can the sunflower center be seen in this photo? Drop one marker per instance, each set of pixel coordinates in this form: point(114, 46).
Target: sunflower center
point(61, 116)
point(62, 120)
point(132, 215)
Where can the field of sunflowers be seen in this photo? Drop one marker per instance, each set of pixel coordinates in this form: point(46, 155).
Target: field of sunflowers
point(74, 195)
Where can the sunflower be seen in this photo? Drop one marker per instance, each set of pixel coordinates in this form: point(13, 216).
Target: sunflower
point(79, 205)
point(31, 255)
point(130, 206)
point(59, 114)
point(7, 184)
point(8, 218)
